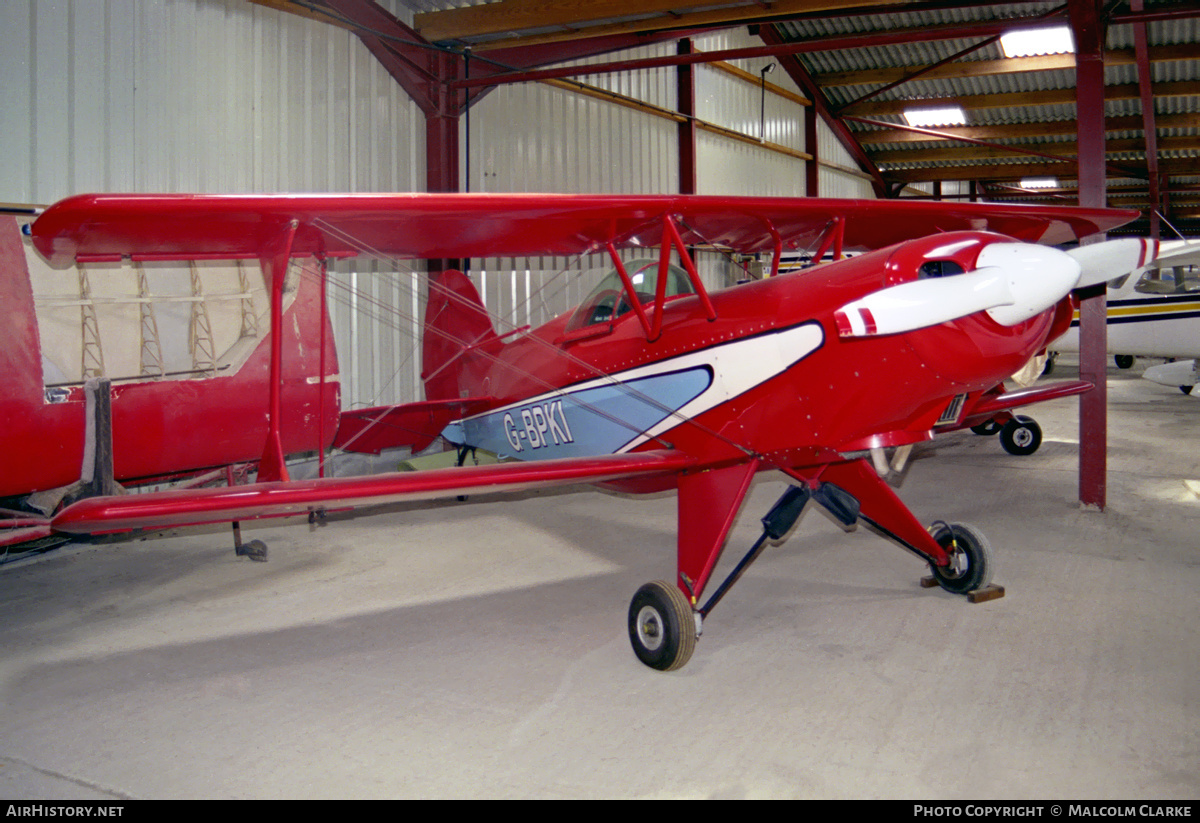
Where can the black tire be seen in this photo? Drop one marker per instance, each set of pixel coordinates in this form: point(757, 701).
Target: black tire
point(1048, 369)
point(1123, 361)
point(987, 428)
point(1021, 436)
point(662, 626)
point(970, 558)
point(1186, 389)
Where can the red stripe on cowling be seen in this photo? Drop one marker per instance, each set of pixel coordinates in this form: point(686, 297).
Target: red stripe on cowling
point(868, 320)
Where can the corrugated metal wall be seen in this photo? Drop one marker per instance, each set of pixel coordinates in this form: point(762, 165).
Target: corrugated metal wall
point(179, 95)
point(228, 96)
point(727, 166)
point(214, 96)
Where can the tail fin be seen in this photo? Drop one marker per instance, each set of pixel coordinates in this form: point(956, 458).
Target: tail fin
point(455, 323)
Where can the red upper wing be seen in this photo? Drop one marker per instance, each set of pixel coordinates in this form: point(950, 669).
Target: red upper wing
point(106, 226)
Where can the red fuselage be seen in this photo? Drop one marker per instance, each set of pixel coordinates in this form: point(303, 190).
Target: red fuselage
point(847, 394)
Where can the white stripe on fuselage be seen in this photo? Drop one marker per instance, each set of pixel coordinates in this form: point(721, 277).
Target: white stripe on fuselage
point(737, 367)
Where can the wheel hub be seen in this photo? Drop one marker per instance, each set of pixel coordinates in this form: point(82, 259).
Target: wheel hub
point(650, 628)
point(958, 564)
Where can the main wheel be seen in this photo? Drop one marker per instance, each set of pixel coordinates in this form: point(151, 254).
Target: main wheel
point(987, 428)
point(970, 558)
point(1021, 436)
point(662, 626)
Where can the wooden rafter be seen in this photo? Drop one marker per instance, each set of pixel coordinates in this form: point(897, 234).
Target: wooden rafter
point(1065, 148)
point(1013, 171)
point(1046, 97)
point(1016, 131)
point(596, 18)
point(1009, 65)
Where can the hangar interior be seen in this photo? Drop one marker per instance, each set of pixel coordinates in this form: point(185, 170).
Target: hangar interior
point(479, 650)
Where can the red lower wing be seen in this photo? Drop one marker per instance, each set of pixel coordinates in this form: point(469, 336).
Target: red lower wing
point(990, 404)
point(104, 515)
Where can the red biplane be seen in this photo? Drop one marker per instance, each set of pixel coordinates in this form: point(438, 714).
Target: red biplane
point(651, 383)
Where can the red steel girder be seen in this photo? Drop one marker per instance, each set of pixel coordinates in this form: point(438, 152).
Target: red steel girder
point(685, 91)
point(778, 49)
point(1088, 27)
point(1146, 93)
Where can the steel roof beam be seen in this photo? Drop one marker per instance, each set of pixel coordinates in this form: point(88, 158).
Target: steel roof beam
point(780, 49)
point(1149, 130)
point(897, 133)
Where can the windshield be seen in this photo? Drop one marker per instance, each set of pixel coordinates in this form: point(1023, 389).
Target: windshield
point(608, 300)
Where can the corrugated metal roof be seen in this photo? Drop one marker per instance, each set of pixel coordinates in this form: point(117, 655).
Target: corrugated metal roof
point(1029, 103)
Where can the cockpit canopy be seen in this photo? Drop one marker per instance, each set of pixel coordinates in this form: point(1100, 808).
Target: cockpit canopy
point(609, 300)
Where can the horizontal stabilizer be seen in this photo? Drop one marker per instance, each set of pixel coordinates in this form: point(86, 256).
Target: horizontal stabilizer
point(24, 534)
point(1180, 373)
point(159, 510)
point(415, 425)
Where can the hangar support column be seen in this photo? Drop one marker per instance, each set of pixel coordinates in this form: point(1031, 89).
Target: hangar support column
point(1093, 310)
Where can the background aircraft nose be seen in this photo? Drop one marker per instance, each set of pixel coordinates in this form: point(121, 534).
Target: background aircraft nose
point(1037, 277)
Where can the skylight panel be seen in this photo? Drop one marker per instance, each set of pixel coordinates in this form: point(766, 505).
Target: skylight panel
point(938, 116)
point(1039, 183)
point(1032, 42)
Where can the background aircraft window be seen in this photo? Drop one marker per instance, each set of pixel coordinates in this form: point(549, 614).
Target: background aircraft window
point(1178, 280)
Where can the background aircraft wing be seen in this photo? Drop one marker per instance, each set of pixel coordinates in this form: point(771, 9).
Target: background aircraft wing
point(192, 507)
point(1174, 253)
point(152, 226)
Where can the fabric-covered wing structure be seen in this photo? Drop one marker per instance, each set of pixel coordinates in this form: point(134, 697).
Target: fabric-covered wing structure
point(147, 227)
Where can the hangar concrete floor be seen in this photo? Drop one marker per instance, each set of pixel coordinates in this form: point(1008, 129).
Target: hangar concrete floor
point(479, 650)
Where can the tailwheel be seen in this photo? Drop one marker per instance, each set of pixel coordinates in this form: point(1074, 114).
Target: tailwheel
point(970, 553)
point(256, 550)
point(662, 626)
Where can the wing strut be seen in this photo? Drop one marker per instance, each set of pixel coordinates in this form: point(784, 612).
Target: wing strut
point(671, 238)
point(834, 236)
point(630, 290)
point(272, 466)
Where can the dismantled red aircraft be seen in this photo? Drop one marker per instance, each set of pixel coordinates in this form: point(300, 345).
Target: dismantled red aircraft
point(652, 383)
